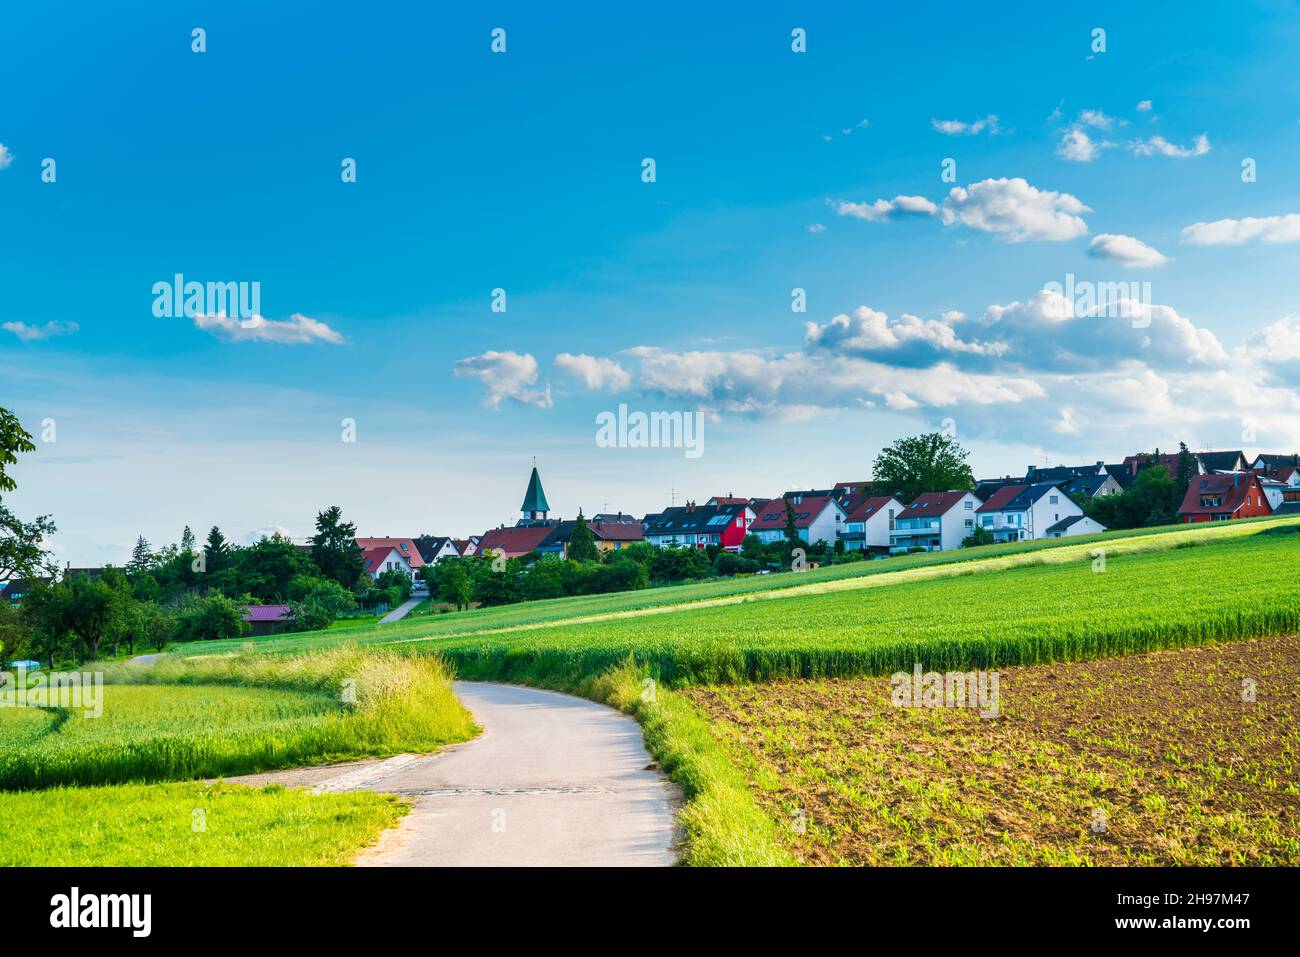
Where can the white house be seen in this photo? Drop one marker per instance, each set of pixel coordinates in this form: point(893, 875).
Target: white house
point(817, 518)
point(936, 521)
point(385, 558)
point(1074, 525)
point(1023, 512)
point(868, 525)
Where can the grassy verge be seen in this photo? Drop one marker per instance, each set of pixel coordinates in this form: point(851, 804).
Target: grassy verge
point(234, 715)
point(189, 825)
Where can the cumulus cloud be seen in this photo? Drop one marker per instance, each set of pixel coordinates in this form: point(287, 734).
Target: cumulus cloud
point(1050, 332)
point(1125, 250)
point(596, 373)
point(1014, 209)
point(6, 157)
point(1144, 106)
point(1078, 147)
point(886, 209)
point(753, 383)
point(1276, 348)
point(958, 128)
point(1158, 145)
point(909, 340)
point(296, 330)
point(27, 333)
point(1234, 232)
point(506, 375)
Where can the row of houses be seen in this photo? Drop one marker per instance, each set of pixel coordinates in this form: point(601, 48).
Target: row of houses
point(1042, 503)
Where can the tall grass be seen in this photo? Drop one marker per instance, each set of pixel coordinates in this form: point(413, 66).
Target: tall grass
point(238, 714)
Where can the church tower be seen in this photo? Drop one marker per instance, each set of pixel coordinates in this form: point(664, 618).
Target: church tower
point(535, 505)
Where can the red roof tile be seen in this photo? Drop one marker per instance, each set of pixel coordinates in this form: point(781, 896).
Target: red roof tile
point(772, 515)
point(932, 503)
point(409, 552)
point(515, 540)
point(868, 507)
point(999, 499)
point(1231, 487)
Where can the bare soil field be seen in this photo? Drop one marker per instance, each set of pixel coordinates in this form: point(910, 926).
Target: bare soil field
point(1188, 757)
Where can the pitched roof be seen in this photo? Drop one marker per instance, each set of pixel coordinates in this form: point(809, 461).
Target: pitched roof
point(1060, 473)
point(870, 506)
point(1232, 487)
point(999, 499)
point(1085, 483)
point(268, 613)
point(1220, 461)
point(535, 497)
point(1272, 461)
point(406, 547)
point(986, 487)
point(806, 510)
point(374, 557)
point(1287, 508)
point(1028, 496)
point(682, 519)
point(515, 540)
point(1065, 523)
point(14, 587)
point(932, 503)
point(1121, 473)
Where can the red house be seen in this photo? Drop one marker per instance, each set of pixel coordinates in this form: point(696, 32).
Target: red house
point(1223, 497)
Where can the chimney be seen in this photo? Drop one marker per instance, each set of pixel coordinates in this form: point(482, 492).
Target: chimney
point(1032, 469)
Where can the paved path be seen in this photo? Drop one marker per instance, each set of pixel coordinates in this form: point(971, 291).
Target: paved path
point(147, 660)
point(553, 780)
point(402, 610)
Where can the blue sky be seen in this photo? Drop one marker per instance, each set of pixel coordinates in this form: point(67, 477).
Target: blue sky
point(775, 170)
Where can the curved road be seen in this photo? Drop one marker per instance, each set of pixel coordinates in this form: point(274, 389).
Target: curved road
point(552, 780)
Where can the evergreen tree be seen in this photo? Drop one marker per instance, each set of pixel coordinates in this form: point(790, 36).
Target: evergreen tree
point(334, 547)
point(216, 552)
point(582, 543)
point(141, 556)
point(187, 541)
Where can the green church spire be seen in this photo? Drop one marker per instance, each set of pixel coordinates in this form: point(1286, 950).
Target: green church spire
point(535, 504)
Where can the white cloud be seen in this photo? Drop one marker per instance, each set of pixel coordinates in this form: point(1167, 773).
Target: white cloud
point(267, 531)
point(1144, 106)
point(1158, 144)
point(958, 128)
point(596, 373)
point(55, 327)
point(1234, 232)
point(1098, 120)
point(1127, 251)
point(1077, 146)
point(909, 340)
point(882, 209)
point(6, 157)
point(1276, 347)
point(815, 228)
point(506, 375)
point(296, 330)
point(1016, 210)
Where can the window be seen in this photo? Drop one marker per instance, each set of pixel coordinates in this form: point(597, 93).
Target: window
point(1053, 500)
point(970, 522)
point(969, 505)
point(988, 521)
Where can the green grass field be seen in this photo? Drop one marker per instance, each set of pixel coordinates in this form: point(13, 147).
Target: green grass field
point(1013, 615)
point(210, 717)
point(189, 825)
point(583, 610)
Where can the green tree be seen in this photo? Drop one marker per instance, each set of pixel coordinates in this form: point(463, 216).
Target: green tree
point(334, 547)
point(265, 569)
point(22, 546)
point(455, 586)
point(13, 439)
point(153, 624)
point(216, 552)
point(322, 605)
point(211, 618)
point(582, 542)
point(142, 557)
point(979, 536)
point(85, 609)
point(932, 462)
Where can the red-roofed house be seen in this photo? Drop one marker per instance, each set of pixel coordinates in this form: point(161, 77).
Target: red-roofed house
point(376, 561)
point(406, 547)
point(1223, 497)
point(993, 515)
point(817, 518)
point(514, 541)
point(935, 521)
point(869, 524)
